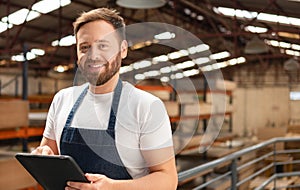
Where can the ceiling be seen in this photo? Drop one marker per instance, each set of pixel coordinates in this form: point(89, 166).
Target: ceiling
point(220, 32)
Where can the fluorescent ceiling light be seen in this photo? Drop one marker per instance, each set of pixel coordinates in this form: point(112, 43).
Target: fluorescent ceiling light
point(206, 68)
point(223, 64)
point(4, 26)
point(165, 70)
point(220, 55)
point(202, 60)
point(30, 56)
point(193, 15)
point(256, 29)
point(243, 14)
point(235, 61)
point(197, 49)
point(55, 43)
point(266, 17)
point(178, 54)
point(142, 64)
point(164, 58)
point(174, 55)
point(232, 62)
point(165, 36)
point(174, 68)
point(61, 68)
point(18, 58)
point(185, 64)
point(168, 69)
point(160, 58)
point(126, 69)
point(284, 45)
point(38, 51)
point(187, 11)
point(177, 76)
point(201, 48)
point(65, 41)
point(21, 58)
point(19, 16)
point(46, 6)
point(200, 17)
point(139, 77)
point(191, 72)
point(164, 79)
point(281, 44)
point(241, 60)
point(226, 11)
point(292, 52)
point(152, 73)
point(295, 46)
point(192, 50)
point(272, 43)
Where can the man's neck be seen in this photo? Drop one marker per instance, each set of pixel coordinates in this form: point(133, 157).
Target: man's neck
point(109, 86)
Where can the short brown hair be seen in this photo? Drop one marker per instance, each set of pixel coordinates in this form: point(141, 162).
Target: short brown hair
point(109, 15)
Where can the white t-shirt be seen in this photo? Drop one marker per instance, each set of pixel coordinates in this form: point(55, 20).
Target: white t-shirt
point(142, 121)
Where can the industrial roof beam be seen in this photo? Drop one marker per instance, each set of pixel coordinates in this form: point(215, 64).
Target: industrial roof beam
point(21, 27)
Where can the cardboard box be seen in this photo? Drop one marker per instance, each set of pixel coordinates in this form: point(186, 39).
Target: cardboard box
point(172, 108)
point(226, 85)
point(295, 129)
point(13, 113)
point(186, 98)
point(265, 133)
point(196, 109)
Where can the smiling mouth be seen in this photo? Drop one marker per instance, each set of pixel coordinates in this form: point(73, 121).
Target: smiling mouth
point(96, 66)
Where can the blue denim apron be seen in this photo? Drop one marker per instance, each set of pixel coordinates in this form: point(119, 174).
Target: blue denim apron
point(87, 145)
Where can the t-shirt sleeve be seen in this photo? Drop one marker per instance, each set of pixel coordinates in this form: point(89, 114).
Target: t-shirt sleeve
point(49, 131)
point(155, 127)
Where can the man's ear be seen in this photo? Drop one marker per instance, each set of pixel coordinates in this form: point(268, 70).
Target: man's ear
point(124, 49)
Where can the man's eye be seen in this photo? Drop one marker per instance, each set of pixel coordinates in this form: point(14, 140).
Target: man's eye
point(84, 48)
point(103, 46)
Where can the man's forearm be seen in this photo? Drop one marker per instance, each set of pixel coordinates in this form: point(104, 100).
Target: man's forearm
point(156, 180)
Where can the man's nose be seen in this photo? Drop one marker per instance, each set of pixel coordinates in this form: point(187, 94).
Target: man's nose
point(94, 53)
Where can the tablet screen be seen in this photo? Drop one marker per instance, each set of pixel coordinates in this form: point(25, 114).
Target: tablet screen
point(51, 172)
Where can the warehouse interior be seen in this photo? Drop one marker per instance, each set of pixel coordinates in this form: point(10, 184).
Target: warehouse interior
point(227, 71)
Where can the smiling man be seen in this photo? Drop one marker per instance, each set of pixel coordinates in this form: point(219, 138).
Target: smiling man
point(119, 135)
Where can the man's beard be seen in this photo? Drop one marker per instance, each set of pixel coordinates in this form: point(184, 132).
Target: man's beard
point(98, 79)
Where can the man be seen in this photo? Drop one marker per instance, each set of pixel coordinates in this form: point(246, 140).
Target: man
point(120, 136)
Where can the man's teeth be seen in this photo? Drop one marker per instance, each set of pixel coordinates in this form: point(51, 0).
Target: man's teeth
point(96, 66)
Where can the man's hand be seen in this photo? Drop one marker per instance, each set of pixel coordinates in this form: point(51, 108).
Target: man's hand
point(98, 181)
point(47, 147)
point(44, 150)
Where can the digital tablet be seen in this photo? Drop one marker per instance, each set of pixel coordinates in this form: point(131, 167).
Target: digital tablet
point(51, 172)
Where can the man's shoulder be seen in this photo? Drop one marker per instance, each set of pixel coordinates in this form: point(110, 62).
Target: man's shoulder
point(69, 92)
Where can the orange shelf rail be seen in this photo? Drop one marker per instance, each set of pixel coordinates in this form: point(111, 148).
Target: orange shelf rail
point(22, 132)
